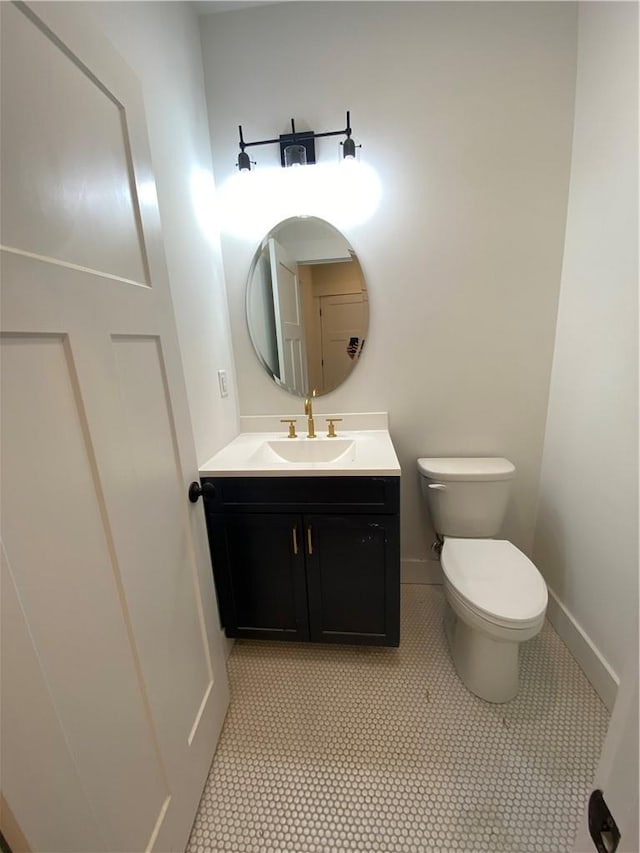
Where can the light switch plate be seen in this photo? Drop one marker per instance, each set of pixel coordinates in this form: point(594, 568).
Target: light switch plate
point(223, 383)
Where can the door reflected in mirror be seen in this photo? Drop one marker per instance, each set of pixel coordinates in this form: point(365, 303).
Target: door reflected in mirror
point(307, 306)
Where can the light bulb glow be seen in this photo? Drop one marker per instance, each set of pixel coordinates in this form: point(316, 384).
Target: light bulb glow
point(345, 194)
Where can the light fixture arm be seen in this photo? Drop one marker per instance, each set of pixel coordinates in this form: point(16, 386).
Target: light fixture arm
point(244, 144)
point(296, 137)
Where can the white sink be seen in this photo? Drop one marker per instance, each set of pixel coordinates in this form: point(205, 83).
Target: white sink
point(363, 448)
point(307, 450)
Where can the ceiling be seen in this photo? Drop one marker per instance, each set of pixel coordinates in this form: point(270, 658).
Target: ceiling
point(208, 7)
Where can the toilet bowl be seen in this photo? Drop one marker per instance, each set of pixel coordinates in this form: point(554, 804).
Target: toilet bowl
point(496, 596)
point(497, 600)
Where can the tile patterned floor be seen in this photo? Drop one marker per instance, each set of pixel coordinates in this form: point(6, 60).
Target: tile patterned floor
point(348, 748)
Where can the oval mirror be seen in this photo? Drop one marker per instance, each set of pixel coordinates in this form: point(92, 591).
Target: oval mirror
point(307, 306)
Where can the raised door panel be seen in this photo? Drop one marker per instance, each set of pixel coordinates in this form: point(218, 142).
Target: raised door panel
point(30, 730)
point(353, 578)
point(59, 543)
point(161, 578)
point(71, 179)
point(259, 566)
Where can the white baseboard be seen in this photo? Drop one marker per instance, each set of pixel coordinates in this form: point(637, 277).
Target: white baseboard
point(420, 571)
point(603, 679)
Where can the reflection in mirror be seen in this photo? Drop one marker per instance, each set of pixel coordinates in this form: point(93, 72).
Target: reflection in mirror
point(307, 306)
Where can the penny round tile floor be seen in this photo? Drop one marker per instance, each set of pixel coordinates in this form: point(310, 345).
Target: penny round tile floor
point(328, 749)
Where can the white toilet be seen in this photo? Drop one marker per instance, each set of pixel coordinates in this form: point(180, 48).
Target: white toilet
point(497, 596)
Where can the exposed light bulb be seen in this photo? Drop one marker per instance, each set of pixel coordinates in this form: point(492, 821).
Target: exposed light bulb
point(295, 155)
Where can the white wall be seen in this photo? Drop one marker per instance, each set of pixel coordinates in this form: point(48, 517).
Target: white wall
point(161, 43)
point(586, 541)
point(465, 112)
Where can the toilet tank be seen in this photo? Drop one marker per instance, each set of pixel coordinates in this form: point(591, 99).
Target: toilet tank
point(466, 497)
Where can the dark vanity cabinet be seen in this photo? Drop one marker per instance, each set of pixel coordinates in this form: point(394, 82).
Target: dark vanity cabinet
point(306, 558)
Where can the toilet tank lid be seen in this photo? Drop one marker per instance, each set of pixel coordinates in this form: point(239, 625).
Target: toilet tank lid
point(467, 468)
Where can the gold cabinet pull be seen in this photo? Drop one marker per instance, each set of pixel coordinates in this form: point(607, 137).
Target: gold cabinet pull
point(309, 544)
point(294, 537)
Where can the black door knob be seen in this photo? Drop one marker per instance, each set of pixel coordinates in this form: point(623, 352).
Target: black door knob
point(195, 490)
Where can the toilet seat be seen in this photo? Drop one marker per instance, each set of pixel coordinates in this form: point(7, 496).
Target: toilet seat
point(496, 581)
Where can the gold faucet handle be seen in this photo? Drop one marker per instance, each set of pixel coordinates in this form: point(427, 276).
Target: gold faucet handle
point(292, 426)
point(332, 429)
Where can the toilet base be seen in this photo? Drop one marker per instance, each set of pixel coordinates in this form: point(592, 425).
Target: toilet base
point(487, 667)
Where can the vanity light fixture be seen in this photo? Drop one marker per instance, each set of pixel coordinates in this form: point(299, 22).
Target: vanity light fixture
point(297, 148)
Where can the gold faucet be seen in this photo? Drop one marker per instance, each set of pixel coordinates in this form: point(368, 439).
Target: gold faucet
point(308, 410)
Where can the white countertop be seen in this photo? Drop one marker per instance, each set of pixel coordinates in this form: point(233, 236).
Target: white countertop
point(363, 452)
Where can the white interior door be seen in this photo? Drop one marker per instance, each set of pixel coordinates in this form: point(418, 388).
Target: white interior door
point(343, 316)
point(287, 303)
point(113, 679)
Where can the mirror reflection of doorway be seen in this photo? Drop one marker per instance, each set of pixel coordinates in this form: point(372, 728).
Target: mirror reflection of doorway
point(307, 306)
point(336, 312)
point(289, 328)
point(342, 324)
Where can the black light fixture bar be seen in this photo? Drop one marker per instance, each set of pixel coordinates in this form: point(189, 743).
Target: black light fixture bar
point(305, 138)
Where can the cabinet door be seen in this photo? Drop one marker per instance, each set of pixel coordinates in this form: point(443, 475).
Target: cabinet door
point(353, 567)
point(258, 561)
